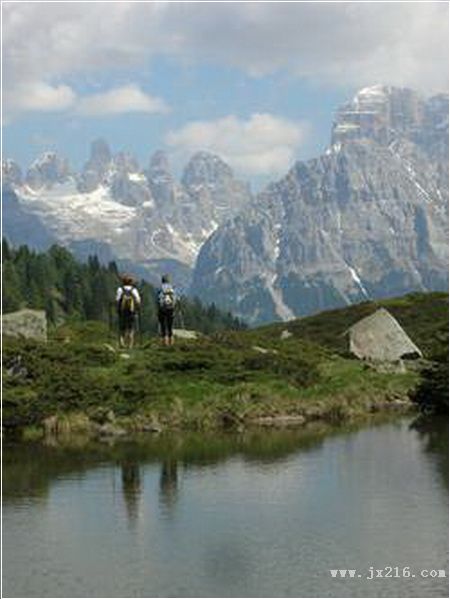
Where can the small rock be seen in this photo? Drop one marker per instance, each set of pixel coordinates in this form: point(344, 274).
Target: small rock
point(263, 350)
point(151, 428)
point(185, 334)
point(110, 430)
point(17, 369)
point(286, 334)
point(280, 421)
point(109, 347)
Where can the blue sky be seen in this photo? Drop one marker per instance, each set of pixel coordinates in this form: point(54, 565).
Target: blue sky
point(256, 83)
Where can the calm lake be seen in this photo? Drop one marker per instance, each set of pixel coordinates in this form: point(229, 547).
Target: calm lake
point(262, 513)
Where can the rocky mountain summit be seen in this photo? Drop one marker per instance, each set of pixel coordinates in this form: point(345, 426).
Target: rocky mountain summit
point(142, 217)
point(367, 219)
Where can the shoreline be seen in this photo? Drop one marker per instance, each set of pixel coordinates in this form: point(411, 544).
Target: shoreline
point(170, 421)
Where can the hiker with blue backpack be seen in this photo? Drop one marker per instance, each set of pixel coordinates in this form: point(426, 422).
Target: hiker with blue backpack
point(166, 301)
point(128, 303)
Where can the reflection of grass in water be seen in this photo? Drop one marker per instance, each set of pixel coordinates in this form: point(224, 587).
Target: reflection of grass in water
point(30, 467)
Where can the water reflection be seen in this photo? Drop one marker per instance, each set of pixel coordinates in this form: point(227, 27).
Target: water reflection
point(40, 463)
point(168, 485)
point(131, 488)
point(251, 514)
point(434, 434)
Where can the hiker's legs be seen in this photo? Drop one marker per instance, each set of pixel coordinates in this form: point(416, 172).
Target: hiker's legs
point(170, 327)
point(162, 327)
point(166, 322)
point(126, 329)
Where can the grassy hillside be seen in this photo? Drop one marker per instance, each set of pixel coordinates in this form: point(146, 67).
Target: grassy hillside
point(424, 316)
point(80, 380)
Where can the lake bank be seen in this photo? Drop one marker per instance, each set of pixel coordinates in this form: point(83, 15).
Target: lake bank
point(233, 381)
point(283, 374)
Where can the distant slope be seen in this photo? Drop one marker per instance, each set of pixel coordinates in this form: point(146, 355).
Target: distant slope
point(424, 316)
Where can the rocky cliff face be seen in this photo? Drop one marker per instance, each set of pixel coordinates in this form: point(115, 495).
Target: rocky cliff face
point(367, 219)
point(143, 218)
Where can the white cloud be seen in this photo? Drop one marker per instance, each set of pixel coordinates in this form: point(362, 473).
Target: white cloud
point(332, 43)
point(262, 145)
point(38, 95)
point(128, 98)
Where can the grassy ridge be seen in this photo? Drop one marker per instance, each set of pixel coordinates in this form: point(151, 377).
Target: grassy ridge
point(424, 316)
point(79, 380)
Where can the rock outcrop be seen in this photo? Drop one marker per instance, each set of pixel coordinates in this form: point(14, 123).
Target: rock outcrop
point(30, 324)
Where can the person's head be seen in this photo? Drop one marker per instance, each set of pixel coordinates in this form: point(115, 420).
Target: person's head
point(165, 279)
point(127, 279)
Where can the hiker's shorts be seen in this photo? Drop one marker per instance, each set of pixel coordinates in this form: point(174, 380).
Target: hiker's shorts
point(165, 318)
point(127, 321)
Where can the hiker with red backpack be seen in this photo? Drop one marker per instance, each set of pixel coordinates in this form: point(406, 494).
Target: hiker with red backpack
point(128, 303)
point(166, 301)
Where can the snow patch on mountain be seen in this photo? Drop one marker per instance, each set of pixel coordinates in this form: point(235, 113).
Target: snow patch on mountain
point(358, 281)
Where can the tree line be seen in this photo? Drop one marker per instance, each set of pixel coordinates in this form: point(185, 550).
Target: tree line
point(56, 282)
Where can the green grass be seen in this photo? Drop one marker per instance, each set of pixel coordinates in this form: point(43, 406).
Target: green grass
point(220, 380)
point(424, 316)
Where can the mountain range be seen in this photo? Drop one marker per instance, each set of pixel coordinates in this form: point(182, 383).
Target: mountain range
point(366, 219)
point(142, 217)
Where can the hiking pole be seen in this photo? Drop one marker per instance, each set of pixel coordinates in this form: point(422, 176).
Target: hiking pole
point(182, 320)
point(109, 319)
point(180, 312)
point(140, 327)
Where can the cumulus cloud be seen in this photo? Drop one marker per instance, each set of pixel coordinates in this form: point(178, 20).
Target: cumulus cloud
point(262, 145)
point(332, 43)
point(128, 98)
point(37, 95)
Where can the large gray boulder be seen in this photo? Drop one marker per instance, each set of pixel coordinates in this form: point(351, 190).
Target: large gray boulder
point(30, 324)
point(379, 337)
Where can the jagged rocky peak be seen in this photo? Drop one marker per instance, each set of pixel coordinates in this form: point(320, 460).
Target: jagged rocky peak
point(125, 162)
point(160, 180)
point(11, 172)
point(100, 153)
point(96, 167)
point(47, 170)
point(437, 110)
point(377, 113)
point(159, 166)
point(205, 168)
